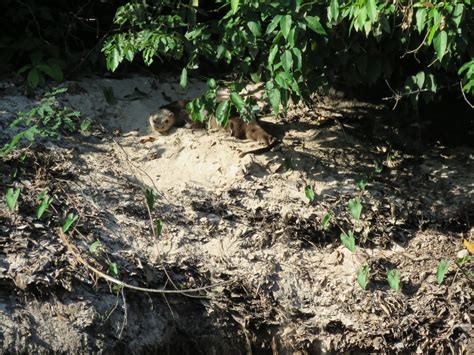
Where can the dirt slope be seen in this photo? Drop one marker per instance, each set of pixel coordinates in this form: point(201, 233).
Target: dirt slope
point(245, 220)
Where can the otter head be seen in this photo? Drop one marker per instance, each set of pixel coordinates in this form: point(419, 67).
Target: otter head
point(255, 132)
point(162, 120)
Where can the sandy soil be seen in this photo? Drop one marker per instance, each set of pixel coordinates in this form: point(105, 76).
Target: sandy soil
point(243, 220)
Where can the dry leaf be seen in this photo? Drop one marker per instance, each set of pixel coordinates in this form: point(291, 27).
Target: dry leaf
point(469, 246)
point(147, 139)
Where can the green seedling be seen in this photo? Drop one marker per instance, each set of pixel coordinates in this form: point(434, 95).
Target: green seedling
point(441, 271)
point(461, 261)
point(393, 278)
point(348, 240)
point(158, 227)
point(325, 221)
point(94, 246)
point(361, 184)
point(363, 277)
point(309, 192)
point(150, 196)
point(113, 268)
point(355, 207)
point(85, 124)
point(70, 219)
point(11, 198)
point(45, 202)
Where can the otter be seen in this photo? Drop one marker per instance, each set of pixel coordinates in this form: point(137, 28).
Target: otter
point(174, 114)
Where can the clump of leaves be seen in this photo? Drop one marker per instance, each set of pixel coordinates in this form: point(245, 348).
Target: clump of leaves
point(39, 68)
point(47, 119)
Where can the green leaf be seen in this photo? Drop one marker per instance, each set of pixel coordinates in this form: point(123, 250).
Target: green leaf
point(333, 11)
point(271, 56)
point(43, 206)
point(393, 278)
point(273, 24)
point(309, 192)
point(363, 277)
point(285, 25)
point(237, 101)
point(70, 219)
point(440, 43)
point(85, 124)
point(150, 196)
point(94, 246)
point(420, 19)
point(274, 96)
point(441, 271)
point(315, 24)
point(113, 268)
point(348, 240)
point(113, 59)
point(325, 221)
point(234, 5)
point(287, 61)
point(11, 198)
point(223, 113)
point(361, 184)
point(183, 80)
point(33, 78)
point(254, 27)
point(158, 227)
point(372, 11)
point(465, 259)
point(420, 79)
point(299, 59)
point(355, 207)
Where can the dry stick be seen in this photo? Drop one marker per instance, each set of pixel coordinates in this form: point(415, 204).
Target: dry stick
point(464, 95)
point(79, 258)
point(148, 209)
point(131, 165)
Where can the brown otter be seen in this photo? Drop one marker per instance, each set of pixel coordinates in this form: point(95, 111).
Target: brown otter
point(174, 114)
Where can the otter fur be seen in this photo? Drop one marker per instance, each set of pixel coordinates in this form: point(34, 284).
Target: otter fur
point(174, 114)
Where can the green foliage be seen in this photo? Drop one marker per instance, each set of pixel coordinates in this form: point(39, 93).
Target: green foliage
point(45, 120)
point(150, 196)
point(38, 69)
point(363, 277)
point(95, 246)
point(70, 219)
point(355, 207)
point(393, 278)
point(295, 47)
point(113, 268)
point(11, 198)
point(326, 220)
point(44, 201)
point(309, 192)
point(348, 239)
point(441, 271)
point(158, 227)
